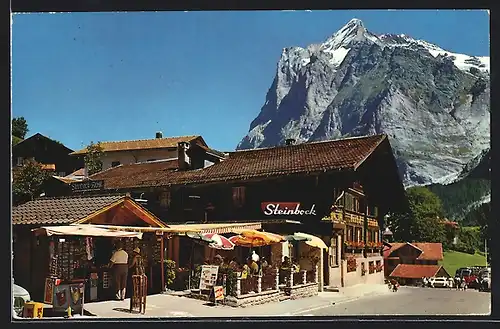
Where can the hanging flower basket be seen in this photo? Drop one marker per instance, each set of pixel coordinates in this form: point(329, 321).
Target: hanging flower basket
point(351, 264)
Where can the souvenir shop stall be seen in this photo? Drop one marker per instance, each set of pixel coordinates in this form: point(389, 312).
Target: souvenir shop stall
point(78, 269)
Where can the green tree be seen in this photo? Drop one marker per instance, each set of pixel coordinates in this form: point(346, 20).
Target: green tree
point(28, 181)
point(93, 157)
point(19, 127)
point(423, 222)
point(16, 140)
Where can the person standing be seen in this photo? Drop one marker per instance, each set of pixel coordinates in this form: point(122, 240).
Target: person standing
point(255, 256)
point(119, 264)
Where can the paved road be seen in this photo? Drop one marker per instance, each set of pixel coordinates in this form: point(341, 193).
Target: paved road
point(411, 301)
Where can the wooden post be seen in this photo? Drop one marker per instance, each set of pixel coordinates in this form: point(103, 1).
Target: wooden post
point(162, 264)
point(304, 277)
point(365, 229)
point(259, 283)
point(238, 287)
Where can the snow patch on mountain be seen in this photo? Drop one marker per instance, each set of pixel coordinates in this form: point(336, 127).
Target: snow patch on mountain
point(433, 104)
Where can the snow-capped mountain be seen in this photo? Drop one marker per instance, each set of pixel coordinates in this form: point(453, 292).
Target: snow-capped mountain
point(433, 104)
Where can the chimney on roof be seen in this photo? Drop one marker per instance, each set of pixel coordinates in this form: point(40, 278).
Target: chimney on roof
point(159, 134)
point(182, 156)
point(289, 141)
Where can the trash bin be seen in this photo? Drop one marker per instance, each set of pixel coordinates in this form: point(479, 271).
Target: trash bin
point(33, 310)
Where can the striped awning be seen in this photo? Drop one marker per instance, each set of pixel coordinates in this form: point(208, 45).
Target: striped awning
point(218, 228)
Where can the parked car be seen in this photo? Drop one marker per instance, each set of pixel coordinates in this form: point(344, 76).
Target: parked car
point(439, 282)
point(21, 297)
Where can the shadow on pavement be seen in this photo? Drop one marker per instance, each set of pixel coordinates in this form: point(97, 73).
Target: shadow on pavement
point(126, 310)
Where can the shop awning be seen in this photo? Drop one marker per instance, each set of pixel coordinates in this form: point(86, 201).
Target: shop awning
point(218, 228)
point(85, 230)
point(143, 229)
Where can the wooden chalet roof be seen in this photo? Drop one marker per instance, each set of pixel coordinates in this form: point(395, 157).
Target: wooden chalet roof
point(79, 210)
point(336, 155)
point(430, 251)
point(79, 172)
point(143, 144)
point(39, 136)
point(136, 174)
point(409, 271)
point(60, 210)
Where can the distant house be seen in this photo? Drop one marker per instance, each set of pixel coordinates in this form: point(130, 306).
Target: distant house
point(412, 261)
point(159, 148)
point(53, 155)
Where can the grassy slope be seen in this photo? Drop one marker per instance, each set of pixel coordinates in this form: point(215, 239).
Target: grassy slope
point(453, 260)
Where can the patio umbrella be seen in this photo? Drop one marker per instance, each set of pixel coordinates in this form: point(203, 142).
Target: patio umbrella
point(199, 237)
point(268, 238)
point(220, 242)
point(242, 241)
point(296, 238)
point(314, 242)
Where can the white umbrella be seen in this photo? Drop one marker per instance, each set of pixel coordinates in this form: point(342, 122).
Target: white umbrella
point(314, 240)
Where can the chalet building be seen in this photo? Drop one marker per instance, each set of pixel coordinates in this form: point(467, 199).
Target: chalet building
point(53, 155)
point(410, 262)
point(150, 150)
point(338, 190)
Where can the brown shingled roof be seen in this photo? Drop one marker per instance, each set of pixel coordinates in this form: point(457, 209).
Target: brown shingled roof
point(79, 172)
point(61, 210)
point(141, 144)
point(344, 154)
point(409, 271)
point(131, 175)
point(430, 251)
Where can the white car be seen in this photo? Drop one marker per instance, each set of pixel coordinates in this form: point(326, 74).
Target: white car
point(440, 282)
point(21, 296)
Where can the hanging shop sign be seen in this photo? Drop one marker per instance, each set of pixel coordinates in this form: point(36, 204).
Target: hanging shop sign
point(208, 277)
point(287, 208)
point(219, 293)
point(89, 185)
point(49, 291)
point(68, 295)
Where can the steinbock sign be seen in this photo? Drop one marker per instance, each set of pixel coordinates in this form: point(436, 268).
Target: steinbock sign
point(89, 185)
point(286, 208)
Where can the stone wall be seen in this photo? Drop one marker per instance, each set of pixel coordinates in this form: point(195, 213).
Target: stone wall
point(302, 291)
point(254, 299)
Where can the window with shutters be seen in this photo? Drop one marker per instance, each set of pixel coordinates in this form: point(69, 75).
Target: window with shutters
point(333, 252)
point(239, 196)
point(165, 199)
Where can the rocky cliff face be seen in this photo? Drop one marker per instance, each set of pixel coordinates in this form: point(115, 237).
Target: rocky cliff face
point(433, 104)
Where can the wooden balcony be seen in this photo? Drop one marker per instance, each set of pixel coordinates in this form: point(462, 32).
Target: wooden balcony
point(372, 222)
point(351, 218)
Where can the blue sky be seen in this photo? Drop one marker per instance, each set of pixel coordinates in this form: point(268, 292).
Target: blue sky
point(79, 77)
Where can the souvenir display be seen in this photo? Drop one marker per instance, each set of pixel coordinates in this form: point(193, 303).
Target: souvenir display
point(89, 248)
point(105, 280)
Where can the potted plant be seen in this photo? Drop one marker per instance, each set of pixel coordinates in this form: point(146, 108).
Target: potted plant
point(170, 269)
point(351, 264)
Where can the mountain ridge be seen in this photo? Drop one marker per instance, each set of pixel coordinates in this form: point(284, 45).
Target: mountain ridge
point(359, 83)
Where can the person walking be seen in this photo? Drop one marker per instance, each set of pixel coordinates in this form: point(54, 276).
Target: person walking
point(119, 265)
point(137, 264)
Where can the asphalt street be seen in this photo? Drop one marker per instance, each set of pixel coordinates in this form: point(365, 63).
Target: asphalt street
point(412, 301)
